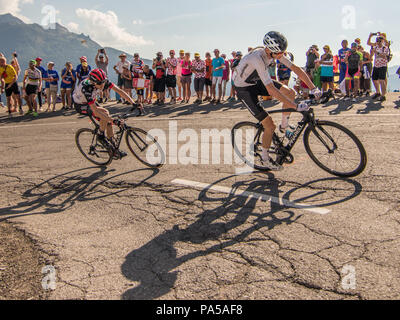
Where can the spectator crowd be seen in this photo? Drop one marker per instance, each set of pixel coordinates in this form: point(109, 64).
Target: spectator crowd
point(350, 72)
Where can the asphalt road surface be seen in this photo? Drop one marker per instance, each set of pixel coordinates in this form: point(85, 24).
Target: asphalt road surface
point(203, 231)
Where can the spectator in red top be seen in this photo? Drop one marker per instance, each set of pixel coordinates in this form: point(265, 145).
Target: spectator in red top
point(172, 66)
point(186, 65)
point(225, 76)
point(160, 66)
point(208, 80)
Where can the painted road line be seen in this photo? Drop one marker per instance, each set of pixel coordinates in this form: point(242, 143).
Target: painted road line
point(38, 125)
point(243, 193)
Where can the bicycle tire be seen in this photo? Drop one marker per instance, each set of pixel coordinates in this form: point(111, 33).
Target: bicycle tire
point(108, 159)
point(239, 152)
point(322, 126)
point(133, 134)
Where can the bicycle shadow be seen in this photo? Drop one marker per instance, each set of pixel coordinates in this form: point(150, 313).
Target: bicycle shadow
point(63, 191)
point(154, 263)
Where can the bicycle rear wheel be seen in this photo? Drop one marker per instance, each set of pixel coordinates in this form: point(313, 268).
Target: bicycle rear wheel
point(91, 149)
point(145, 148)
point(335, 149)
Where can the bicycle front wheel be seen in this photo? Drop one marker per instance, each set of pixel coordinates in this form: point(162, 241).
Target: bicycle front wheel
point(91, 149)
point(335, 149)
point(145, 148)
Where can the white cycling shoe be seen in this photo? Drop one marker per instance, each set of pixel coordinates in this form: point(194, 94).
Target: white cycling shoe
point(271, 165)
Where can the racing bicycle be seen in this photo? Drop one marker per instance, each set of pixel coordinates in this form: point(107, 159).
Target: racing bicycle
point(102, 152)
point(334, 148)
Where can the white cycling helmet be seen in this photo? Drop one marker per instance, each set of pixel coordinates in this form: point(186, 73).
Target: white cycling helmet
point(275, 42)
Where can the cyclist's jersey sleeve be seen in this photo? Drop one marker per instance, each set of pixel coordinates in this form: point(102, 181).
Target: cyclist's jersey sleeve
point(86, 93)
point(254, 67)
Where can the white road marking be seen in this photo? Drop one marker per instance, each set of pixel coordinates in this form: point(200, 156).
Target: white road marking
point(38, 125)
point(243, 193)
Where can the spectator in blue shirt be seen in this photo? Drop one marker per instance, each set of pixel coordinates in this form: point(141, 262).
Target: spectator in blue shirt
point(51, 79)
point(218, 66)
point(68, 78)
point(42, 71)
point(342, 57)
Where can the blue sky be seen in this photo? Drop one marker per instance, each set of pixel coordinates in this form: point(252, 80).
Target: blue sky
point(199, 26)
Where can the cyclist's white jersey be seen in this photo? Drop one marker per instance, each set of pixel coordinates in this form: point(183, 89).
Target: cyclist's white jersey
point(254, 67)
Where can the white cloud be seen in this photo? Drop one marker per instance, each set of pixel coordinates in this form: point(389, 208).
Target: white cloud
point(105, 28)
point(13, 7)
point(73, 27)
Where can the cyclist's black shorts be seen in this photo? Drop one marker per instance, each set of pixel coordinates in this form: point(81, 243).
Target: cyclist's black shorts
point(83, 109)
point(249, 97)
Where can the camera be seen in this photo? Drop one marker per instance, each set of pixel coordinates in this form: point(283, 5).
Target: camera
point(102, 50)
point(15, 55)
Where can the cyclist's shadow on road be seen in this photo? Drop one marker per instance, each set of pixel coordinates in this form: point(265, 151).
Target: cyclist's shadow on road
point(65, 190)
point(152, 265)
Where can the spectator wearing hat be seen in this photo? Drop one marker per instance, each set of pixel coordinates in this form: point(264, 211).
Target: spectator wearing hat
point(127, 81)
point(42, 71)
point(284, 72)
point(312, 56)
point(160, 66)
point(326, 63)
point(199, 70)
point(32, 84)
point(68, 78)
point(51, 79)
point(179, 74)
point(119, 68)
point(186, 65)
point(136, 68)
point(83, 72)
point(172, 65)
point(102, 61)
point(379, 74)
point(208, 80)
point(9, 83)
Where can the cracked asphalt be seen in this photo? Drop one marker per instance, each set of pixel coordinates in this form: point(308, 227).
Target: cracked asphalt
point(128, 232)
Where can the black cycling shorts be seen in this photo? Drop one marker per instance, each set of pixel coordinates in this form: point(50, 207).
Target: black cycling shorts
point(249, 97)
point(14, 89)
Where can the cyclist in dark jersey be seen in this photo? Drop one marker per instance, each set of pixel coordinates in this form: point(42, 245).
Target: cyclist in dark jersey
point(252, 79)
point(84, 99)
point(354, 64)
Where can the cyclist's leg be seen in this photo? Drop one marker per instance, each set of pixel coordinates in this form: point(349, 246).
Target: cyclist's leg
point(249, 97)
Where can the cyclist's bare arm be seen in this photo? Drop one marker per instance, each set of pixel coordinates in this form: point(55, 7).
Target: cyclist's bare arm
point(274, 92)
point(123, 94)
point(303, 76)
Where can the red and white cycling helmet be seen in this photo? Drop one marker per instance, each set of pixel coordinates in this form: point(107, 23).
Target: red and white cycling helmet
point(97, 76)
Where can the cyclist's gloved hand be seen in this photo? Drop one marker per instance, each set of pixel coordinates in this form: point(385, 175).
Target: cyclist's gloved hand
point(316, 93)
point(303, 106)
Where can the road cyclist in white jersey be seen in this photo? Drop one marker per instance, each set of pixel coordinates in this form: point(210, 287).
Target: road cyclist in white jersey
point(252, 80)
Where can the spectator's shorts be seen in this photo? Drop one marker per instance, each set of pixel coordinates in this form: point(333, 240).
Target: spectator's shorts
point(353, 74)
point(249, 97)
point(216, 81)
point(171, 81)
point(186, 79)
point(31, 89)
point(128, 84)
point(13, 89)
point(208, 82)
point(140, 92)
point(199, 84)
point(379, 74)
point(326, 79)
point(159, 85)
